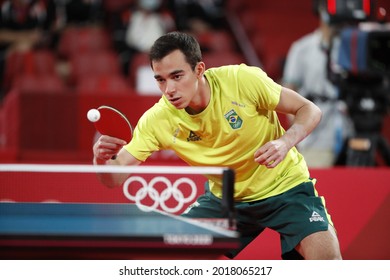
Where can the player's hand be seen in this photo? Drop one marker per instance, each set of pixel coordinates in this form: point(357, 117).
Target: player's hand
point(272, 153)
point(107, 147)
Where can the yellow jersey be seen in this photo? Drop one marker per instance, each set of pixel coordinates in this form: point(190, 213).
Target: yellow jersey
point(239, 119)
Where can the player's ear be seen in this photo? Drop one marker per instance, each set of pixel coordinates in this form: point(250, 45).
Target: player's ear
point(200, 68)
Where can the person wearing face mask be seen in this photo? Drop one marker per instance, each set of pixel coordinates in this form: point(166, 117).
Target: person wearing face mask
point(146, 23)
point(306, 70)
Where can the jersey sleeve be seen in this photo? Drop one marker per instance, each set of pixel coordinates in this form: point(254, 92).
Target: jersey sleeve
point(144, 142)
point(260, 88)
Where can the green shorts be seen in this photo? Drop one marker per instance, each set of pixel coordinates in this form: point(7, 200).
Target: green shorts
point(294, 214)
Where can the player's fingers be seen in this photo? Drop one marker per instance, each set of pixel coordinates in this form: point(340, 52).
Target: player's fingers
point(272, 163)
point(269, 161)
point(109, 146)
point(269, 155)
point(262, 154)
point(109, 143)
point(106, 154)
point(113, 140)
point(104, 151)
point(260, 158)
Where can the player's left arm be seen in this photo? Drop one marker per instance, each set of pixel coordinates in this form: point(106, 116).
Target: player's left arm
point(306, 117)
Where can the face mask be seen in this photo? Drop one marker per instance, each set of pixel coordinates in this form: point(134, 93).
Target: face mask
point(324, 16)
point(150, 5)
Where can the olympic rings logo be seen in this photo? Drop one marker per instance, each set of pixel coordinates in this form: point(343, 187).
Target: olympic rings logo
point(160, 199)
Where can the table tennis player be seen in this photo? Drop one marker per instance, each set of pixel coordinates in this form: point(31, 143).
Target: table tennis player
point(227, 116)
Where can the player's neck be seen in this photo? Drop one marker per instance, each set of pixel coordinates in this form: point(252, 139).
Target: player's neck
point(202, 99)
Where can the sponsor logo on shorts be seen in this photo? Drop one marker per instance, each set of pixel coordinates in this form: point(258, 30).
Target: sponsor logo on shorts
point(315, 217)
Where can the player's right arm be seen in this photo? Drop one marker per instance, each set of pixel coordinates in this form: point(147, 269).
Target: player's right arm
point(104, 150)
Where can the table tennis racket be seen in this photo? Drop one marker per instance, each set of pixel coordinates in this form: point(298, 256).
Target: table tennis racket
point(113, 123)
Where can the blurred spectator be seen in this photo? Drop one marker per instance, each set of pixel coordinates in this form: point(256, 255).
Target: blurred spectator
point(24, 25)
point(80, 12)
point(197, 16)
point(306, 71)
point(143, 24)
point(146, 24)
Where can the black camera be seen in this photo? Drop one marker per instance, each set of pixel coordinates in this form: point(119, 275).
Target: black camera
point(365, 50)
point(361, 69)
point(364, 44)
point(342, 11)
point(359, 59)
point(359, 65)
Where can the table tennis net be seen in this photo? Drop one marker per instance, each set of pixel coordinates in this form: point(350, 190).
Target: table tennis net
point(165, 188)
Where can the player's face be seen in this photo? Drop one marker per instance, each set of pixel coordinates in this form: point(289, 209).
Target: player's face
point(177, 80)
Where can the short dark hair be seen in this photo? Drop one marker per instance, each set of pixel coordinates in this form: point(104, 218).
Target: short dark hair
point(172, 41)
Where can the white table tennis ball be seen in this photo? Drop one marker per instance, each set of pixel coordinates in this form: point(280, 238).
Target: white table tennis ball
point(93, 115)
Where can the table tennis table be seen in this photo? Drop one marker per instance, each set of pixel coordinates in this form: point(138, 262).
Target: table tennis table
point(106, 231)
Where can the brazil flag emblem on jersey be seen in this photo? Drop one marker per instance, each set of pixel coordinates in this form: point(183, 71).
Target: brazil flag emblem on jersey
point(234, 120)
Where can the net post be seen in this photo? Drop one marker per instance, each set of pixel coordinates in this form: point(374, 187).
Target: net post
point(228, 210)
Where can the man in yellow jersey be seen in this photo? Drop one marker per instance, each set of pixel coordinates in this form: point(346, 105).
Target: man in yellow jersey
point(227, 116)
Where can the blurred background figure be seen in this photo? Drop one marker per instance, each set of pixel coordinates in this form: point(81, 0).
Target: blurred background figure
point(141, 26)
point(81, 12)
point(24, 25)
point(198, 16)
point(306, 70)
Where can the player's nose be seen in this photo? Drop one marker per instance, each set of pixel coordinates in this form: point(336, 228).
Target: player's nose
point(170, 89)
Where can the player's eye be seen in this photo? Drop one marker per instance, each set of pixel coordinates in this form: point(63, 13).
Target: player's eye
point(159, 80)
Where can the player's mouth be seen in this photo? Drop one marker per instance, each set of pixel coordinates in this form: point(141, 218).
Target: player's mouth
point(175, 101)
